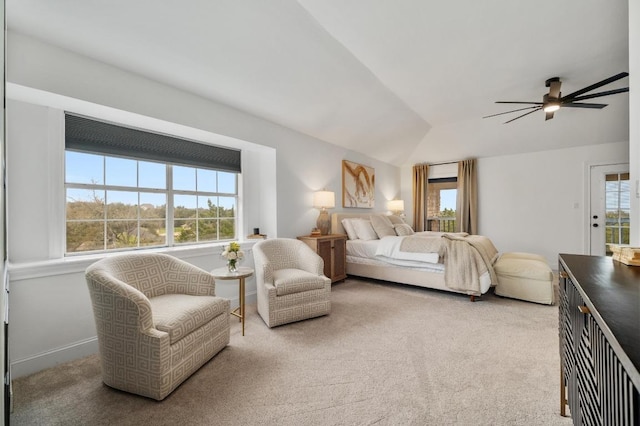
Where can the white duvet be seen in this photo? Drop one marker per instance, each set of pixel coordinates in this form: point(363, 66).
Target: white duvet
point(389, 250)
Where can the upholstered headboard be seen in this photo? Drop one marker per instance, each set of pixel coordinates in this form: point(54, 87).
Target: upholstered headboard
point(336, 220)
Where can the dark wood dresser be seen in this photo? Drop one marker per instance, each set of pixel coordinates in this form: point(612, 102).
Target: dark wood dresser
point(599, 340)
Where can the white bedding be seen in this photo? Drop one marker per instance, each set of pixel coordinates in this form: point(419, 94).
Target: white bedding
point(359, 250)
point(362, 248)
point(389, 250)
point(427, 267)
point(363, 262)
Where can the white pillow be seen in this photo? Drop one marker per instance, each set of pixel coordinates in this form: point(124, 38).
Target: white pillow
point(364, 230)
point(348, 227)
point(403, 229)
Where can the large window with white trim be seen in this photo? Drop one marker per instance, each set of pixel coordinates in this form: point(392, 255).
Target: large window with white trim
point(116, 202)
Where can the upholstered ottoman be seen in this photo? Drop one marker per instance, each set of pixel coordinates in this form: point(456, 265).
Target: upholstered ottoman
point(524, 276)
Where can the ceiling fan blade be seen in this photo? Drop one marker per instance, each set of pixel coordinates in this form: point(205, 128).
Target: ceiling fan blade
point(548, 115)
point(520, 116)
point(595, 86)
point(576, 105)
point(508, 112)
point(554, 87)
point(518, 102)
point(599, 94)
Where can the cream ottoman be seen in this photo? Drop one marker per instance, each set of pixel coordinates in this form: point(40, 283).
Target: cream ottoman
point(524, 276)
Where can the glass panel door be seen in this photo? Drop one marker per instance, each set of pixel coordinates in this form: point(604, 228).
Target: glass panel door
point(617, 209)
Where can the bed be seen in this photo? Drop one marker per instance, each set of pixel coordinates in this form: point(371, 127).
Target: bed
point(364, 260)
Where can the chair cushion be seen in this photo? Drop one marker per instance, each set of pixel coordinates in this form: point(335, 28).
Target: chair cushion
point(181, 314)
point(288, 281)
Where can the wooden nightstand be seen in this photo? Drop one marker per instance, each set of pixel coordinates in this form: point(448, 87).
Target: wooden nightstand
point(332, 249)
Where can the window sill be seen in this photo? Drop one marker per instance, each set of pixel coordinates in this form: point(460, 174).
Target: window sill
point(78, 263)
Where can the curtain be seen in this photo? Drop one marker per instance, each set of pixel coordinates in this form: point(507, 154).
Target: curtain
point(467, 200)
point(420, 180)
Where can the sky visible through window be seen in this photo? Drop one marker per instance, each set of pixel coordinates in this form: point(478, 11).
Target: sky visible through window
point(96, 169)
point(448, 199)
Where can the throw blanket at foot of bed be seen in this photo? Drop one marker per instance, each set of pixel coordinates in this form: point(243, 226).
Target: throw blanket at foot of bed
point(466, 258)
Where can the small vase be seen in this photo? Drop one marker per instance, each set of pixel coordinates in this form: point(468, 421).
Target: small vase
point(232, 265)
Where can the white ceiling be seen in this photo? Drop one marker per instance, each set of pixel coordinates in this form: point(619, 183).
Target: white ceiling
point(401, 81)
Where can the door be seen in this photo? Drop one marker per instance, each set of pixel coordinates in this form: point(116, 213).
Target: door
point(339, 259)
point(324, 251)
point(610, 207)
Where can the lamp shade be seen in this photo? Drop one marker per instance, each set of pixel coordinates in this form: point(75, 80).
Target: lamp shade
point(396, 205)
point(324, 199)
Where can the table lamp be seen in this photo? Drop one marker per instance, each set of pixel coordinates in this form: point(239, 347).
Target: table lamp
point(324, 200)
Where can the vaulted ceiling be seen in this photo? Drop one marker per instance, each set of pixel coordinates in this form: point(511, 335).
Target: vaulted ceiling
point(401, 81)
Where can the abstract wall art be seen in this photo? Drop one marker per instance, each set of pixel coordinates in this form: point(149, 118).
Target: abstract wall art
point(358, 185)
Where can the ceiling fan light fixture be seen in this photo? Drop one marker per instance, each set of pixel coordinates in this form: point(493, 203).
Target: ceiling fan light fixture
point(551, 107)
point(553, 101)
point(550, 103)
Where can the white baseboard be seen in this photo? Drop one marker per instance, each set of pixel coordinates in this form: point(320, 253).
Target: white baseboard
point(41, 361)
point(33, 364)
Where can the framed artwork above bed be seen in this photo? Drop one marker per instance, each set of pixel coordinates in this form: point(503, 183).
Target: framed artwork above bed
point(358, 185)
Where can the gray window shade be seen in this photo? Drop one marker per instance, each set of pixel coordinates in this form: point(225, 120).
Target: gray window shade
point(86, 135)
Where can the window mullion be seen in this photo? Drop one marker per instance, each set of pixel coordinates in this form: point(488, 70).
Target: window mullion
point(104, 182)
point(169, 212)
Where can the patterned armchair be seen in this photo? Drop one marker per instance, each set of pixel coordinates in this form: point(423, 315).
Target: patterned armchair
point(290, 282)
point(158, 321)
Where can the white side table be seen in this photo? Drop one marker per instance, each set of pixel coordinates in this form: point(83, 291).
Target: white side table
point(242, 273)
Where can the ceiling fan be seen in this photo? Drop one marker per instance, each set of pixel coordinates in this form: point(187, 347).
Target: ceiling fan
point(553, 101)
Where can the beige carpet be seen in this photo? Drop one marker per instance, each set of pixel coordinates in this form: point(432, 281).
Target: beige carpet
point(387, 355)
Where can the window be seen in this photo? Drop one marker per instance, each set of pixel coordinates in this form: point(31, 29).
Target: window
point(618, 209)
point(441, 204)
point(116, 202)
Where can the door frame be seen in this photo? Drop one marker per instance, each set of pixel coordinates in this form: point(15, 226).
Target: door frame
point(586, 217)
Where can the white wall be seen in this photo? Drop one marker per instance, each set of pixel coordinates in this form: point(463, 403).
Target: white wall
point(281, 169)
point(535, 202)
point(3, 265)
point(634, 117)
point(538, 202)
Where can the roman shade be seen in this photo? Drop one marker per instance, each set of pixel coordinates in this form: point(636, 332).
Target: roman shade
point(93, 136)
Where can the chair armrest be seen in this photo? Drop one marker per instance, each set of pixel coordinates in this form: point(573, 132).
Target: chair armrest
point(109, 294)
point(264, 275)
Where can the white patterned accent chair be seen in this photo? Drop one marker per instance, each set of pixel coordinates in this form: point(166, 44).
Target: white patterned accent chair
point(158, 321)
point(291, 285)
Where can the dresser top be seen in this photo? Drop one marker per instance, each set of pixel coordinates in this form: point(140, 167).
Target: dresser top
point(613, 291)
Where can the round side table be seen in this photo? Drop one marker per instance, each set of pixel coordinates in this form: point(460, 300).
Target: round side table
point(240, 275)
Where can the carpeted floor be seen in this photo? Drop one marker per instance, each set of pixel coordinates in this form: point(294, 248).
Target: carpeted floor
point(387, 355)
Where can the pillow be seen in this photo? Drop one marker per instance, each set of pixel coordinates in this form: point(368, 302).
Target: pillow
point(395, 220)
point(382, 226)
point(347, 224)
point(364, 230)
point(403, 229)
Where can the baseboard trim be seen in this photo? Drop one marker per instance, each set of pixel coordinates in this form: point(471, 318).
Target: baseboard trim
point(51, 358)
point(33, 364)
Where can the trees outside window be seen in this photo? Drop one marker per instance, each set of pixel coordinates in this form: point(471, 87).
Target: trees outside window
point(115, 203)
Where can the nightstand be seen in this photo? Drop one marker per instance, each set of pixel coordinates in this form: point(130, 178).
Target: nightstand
point(332, 249)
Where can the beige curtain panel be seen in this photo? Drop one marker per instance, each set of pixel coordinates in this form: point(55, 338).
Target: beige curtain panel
point(467, 200)
point(420, 179)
